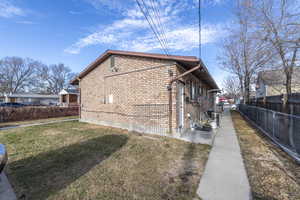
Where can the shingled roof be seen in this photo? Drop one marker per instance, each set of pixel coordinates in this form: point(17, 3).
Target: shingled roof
point(186, 61)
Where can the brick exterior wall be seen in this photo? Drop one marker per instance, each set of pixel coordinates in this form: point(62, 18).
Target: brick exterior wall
point(195, 109)
point(134, 96)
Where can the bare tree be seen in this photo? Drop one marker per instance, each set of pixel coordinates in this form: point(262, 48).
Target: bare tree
point(279, 27)
point(232, 87)
point(231, 60)
point(54, 78)
point(17, 74)
point(244, 55)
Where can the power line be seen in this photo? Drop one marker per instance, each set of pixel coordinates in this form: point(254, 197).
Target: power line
point(160, 24)
point(153, 25)
point(155, 21)
point(156, 28)
point(200, 27)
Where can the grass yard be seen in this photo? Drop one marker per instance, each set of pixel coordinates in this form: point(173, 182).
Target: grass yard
point(73, 160)
point(273, 175)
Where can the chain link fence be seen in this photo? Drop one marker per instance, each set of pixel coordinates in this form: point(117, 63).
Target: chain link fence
point(283, 129)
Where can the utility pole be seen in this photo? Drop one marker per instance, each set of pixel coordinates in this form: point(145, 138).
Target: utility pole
point(199, 15)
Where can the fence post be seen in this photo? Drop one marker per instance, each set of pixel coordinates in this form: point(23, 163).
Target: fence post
point(273, 122)
point(291, 126)
point(284, 103)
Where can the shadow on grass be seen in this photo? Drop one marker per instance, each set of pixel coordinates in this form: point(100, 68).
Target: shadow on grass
point(188, 168)
point(188, 173)
point(37, 177)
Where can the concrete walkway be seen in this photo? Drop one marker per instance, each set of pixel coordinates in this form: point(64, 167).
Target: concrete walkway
point(36, 124)
point(6, 191)
point(198, 137)
point(225, 175)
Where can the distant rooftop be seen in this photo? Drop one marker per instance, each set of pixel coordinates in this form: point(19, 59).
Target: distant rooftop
point(271, 77)
point(30, 95)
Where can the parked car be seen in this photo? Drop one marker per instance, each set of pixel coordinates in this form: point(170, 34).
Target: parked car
point(15, 105)
point(233, 107)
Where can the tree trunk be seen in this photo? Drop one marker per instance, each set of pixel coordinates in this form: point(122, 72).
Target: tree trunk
point(246, 89)
point(288, 83)
point(242, 85)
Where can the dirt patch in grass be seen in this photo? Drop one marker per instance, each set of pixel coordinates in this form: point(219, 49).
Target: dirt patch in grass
point(73, 160)
point(273, 175)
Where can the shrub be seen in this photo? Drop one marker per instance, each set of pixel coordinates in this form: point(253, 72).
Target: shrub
point(8, 114)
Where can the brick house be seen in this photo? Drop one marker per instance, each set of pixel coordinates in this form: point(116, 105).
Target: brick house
point(145, 92)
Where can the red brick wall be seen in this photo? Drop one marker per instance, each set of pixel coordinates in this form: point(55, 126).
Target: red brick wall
point(139, 93)
point(138, 88)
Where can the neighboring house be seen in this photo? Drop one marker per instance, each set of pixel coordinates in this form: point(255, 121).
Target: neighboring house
point(2, 98)
point(131, 90)
point(69, 97)
point(272, 82)
point(31, 99)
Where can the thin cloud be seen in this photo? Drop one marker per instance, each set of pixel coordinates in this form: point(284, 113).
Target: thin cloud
point(7, 10)
point(209, 2)
point(133, 33)
point(75, 12)
point(111, 4)
point(183, 38)
point(26, 22)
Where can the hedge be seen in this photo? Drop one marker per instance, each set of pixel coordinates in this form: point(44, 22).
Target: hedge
point(8, 114)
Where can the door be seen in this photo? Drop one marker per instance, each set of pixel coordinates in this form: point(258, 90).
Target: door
point(180, 105)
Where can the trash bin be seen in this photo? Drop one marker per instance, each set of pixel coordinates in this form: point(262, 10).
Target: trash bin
point(210, 114)
point(3, 157)
point(218, 119)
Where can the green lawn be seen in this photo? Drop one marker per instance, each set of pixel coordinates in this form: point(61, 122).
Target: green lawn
point(73, 160)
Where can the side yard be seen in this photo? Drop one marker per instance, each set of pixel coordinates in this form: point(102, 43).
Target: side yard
point(73, 160)
point(272, 173)
point(27, 122)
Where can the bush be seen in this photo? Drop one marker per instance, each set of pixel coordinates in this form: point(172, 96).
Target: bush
point(8, 114)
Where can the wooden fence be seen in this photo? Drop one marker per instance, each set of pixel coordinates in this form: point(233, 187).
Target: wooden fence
point(289, 104)
point(8, 114)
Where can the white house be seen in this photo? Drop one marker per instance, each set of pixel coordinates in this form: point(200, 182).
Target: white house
point(69, 97)
point(30, 99)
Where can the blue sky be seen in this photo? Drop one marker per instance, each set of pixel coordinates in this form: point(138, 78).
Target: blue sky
point(76, 32)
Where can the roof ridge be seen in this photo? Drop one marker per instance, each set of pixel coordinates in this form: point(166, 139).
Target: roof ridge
point(149, 53)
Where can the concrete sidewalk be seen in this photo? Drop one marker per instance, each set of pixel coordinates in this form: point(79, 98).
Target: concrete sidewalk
point(37, 124)
point(6, 191)
point(225, 175)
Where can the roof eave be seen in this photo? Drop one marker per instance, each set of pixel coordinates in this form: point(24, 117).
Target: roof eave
point(108, 53)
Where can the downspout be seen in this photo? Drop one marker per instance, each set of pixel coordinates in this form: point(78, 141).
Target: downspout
point(169, 87)
point(79, 98)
